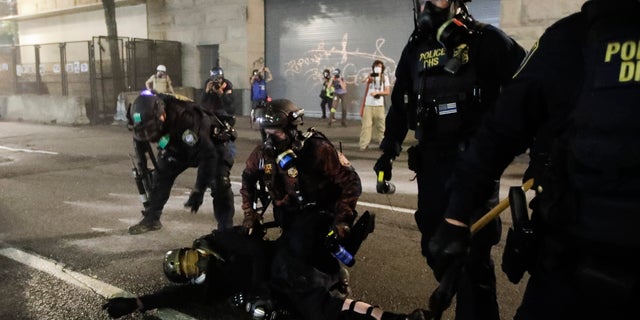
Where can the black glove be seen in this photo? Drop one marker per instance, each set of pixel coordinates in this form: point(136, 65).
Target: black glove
point(118, 307)
point(384, 164)
point(252, 221)
point(194, 201)
point(342, 230)
point(448, 247)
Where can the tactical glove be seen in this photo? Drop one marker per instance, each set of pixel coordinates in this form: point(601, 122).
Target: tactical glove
point(118, 307)
point(195, 201)
point(448, 247)
point(342, 230)
point(384, 164)
point(252, 221)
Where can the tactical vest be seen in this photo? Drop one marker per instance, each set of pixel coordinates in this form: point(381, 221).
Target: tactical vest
point(602, 150)
point(449, 105)
point(284, 183)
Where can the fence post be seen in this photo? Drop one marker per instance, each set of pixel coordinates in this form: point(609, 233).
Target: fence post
point(63, 70)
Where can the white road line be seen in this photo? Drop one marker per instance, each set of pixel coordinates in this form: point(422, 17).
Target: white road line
point(369, 204)
point(386, 207)
point(27, 150)
point(59, 271)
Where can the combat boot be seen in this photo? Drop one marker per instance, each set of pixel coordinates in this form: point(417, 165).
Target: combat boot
point(145, 225)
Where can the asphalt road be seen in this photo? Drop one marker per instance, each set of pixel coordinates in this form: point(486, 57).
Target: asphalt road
point(67, 198)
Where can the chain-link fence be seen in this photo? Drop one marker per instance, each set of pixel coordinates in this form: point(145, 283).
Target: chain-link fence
point(83, 69)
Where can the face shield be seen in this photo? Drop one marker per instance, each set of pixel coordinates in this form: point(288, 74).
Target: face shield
point(186, 264)
point(147, 118)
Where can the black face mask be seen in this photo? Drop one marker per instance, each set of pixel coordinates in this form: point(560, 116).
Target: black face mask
point(432, 17)
point(272, 147)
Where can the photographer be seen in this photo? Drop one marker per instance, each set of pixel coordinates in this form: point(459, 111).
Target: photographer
point(372, 113)
point(217, 95)
point(340, 87)
point(259, 95)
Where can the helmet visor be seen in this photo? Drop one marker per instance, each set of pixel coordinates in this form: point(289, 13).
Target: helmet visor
point(273, 118)
point(150, 130)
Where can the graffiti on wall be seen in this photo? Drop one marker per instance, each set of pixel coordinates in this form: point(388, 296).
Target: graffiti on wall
point(355, 65)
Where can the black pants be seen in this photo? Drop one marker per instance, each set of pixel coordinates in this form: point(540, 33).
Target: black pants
point(325, 104)
point(574, 278)
point(169, 168)
point(476, 297)
point(303, 270)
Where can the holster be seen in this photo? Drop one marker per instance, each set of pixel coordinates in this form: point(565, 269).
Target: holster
point(519, 252)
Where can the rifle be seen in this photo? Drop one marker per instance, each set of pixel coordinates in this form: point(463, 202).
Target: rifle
point(441, 298)
point(142, 175)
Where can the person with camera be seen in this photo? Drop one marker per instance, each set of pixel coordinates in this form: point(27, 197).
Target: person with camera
point(373, 112)
point(339, 94)
point(160, 81)
point(258, 82)
point(448, 78)
point(326, 93)
point(574, 104)
point(187, 137)
point(314, 191)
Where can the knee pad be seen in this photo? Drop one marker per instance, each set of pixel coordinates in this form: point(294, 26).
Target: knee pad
point(222, 184)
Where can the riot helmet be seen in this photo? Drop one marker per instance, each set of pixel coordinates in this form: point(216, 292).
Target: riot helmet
point(280, 125)
point(146, 116)
point(216, 73)
point(186, 264)
point(283, 114)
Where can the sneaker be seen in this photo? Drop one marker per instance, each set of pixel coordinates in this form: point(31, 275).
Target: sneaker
point(145, 226)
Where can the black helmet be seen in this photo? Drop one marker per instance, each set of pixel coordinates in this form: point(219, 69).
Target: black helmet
point(326, 73)
point(281, 113)
point(336, 72)
point(216, 72)
point(185, 264)
point(146, 116)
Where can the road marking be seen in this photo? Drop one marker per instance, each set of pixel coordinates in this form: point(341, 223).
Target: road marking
point(370, 205)
point(59, 271)
point(386, 207)
point(27, 150)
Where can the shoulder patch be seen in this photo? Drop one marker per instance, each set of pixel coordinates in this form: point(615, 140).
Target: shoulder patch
point(189, 137)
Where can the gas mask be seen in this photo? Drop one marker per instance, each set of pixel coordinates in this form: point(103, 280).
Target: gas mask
point(453, 33)
point(432, 17)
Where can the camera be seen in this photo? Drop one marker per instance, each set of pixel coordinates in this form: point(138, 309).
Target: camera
point(374, 74)
point(255, 72)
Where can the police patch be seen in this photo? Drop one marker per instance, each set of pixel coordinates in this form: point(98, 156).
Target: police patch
point(268, 168)
point(189, 137)
point(292, 172)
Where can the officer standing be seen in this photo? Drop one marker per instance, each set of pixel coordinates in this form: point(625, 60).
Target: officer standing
point(448, 77)
point(187, 136)
point(314, 189)
point(574, 102)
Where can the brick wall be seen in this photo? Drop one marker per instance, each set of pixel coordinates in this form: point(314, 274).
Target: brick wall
point(526, 20)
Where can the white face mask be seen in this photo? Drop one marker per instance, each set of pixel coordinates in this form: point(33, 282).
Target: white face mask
point(377, 69)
